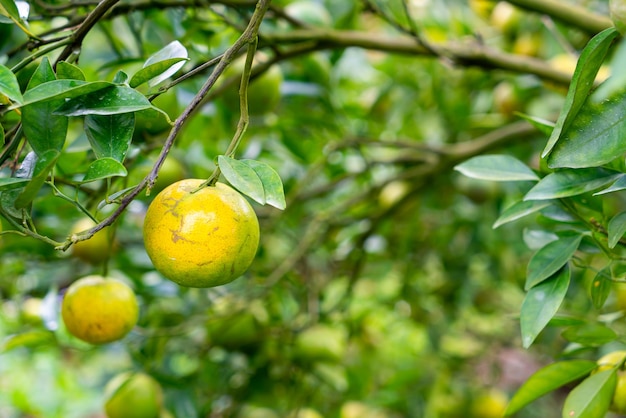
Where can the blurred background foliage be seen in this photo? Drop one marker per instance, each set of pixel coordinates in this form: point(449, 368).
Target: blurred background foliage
point(381, 291)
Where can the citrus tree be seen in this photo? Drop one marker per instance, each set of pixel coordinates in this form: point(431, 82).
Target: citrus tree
point(312, 208)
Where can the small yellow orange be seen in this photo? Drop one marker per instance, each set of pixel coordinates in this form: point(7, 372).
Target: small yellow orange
point(99, 310)
point(200, 237)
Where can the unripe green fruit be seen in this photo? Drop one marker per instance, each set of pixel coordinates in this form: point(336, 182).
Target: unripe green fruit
point(617, 9)
point(135, 395)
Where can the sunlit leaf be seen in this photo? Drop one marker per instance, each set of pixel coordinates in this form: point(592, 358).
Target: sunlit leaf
point(272, 184)
point(550, 258)
point(109, 101)
point(541, 303)
point(104, 168)
point(9, 85)
point(243, 178)
point(519, 210)
point(570, 182)
point(172, 51)
point(110, 135)
point(592, 397)
point(547, 379)
point(496, 168)
point(589, 63)
point(542, 125)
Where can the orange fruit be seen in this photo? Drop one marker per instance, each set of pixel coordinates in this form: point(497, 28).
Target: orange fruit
point(200, 237)
point(99, 310)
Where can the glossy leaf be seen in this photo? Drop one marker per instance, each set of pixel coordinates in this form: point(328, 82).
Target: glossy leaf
point(156, 71)
point(9, 85)
point(104, 168)
point(592, 397)
point(547, 379)
point(616, 229)
point(600, 287)
point(541, 303)
point(519, 210)
point(620, 184)
point(110, 135)
point(243, 178)
point(43, 129)
point(10, 183)
point(67, 71)
point(595, 136)
point(62, 89)
point(109, 101)
point(43, 166)
point(550, 258)
point(570, 182)
point(589, 63)
point(496, 168)
point(591, 335)
point(9, 9)
point(272, 184)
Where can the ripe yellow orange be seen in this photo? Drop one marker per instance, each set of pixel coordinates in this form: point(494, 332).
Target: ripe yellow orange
point(133, 395)
point(99, 310)
point(97, 248)
point(200, 238)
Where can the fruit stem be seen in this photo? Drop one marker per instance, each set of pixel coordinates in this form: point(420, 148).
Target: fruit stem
point(244, 117)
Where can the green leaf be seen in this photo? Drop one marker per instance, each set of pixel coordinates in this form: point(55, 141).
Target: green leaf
point(44, 164)
point(35, 338)
point(272, 184)
point(242, 177)
point(43, 129)
point(519, 210)
point(152, 72)
point(616, 229)
point(542, 125)
point(590, 61)
point(592, 397)
point(109, 101)
point(550, 258)
point(161, 65)
point(110, 135)
point(595, 136)
point(590, 335)
point(62, 89)
point(67, 71)
point(541, 303)
point(104, 168)
point(10, 10)
point(9, 85)
point(571, 182)
point(620, 184)
point(548, 379)
point(10, 183)
point(496, 168)
point(600, 287)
